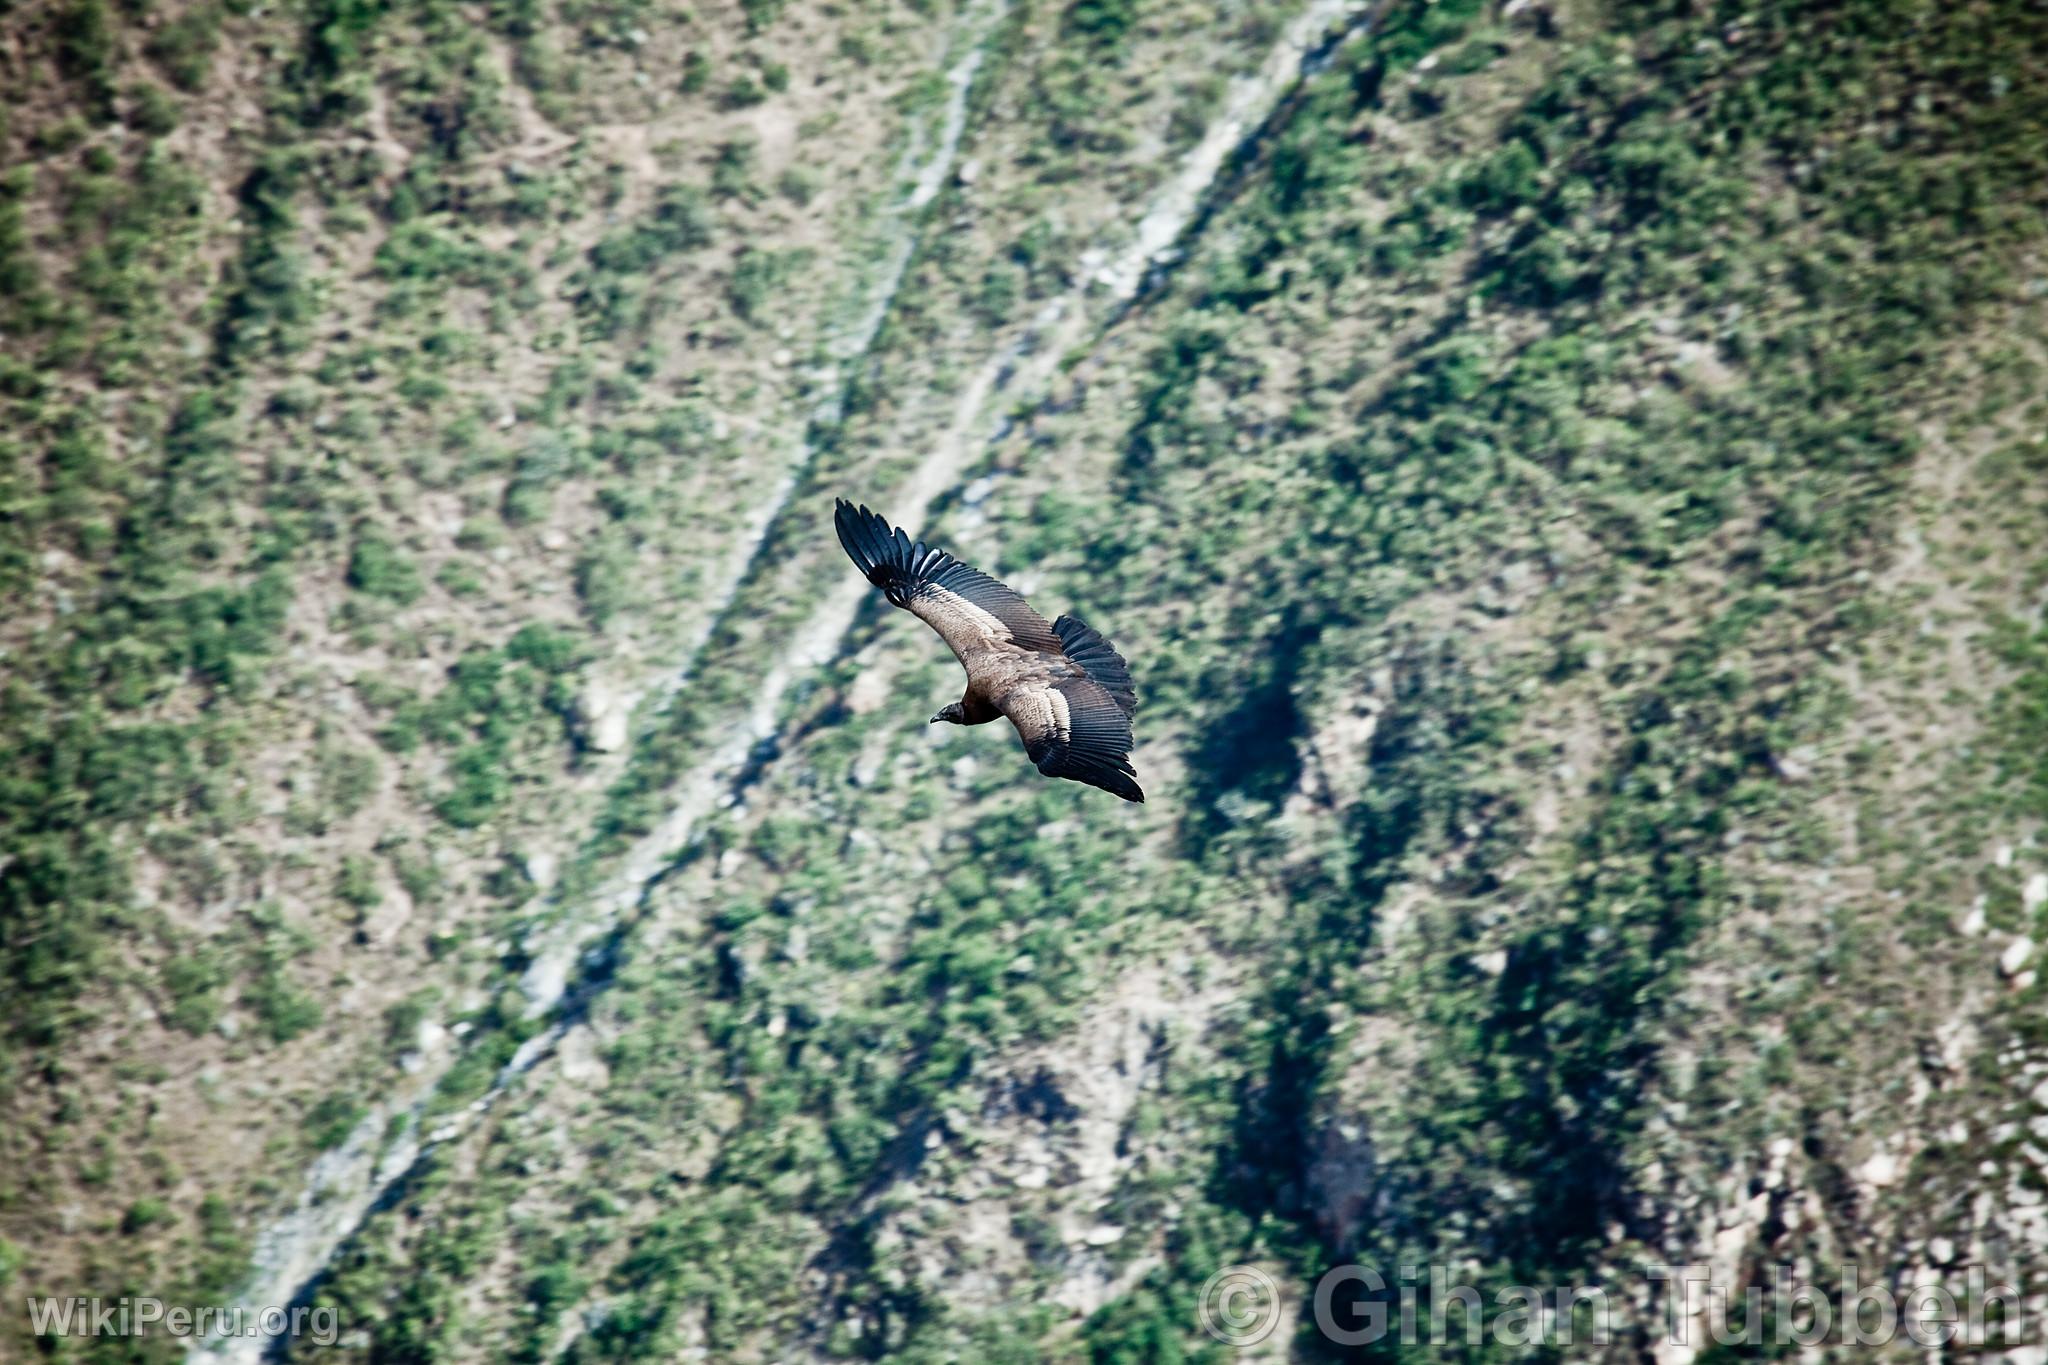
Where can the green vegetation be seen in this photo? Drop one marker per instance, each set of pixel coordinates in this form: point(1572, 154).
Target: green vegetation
point(1572, 503)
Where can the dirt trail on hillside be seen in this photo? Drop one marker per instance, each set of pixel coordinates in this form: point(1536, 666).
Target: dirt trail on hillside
point(353, 1180)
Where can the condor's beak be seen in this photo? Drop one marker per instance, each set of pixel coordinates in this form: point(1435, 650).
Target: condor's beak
point(936, 719)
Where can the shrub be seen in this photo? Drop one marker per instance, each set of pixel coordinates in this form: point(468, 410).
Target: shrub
point(682, 221)
point(481, 785)
point(348, 778)
point(378, 569)
point(732, 173)
point(696, 73)
point(184, 46)
point(60, 135)
point(144, 1214)
point(604, 583)
point(329, 1122)
point(756, 276)
point(799, 185)
point(193, 980)
point(152, 110)
point(1105, 21)
point(87, 49)
point(356, 883)
point(1505, 180)
point(284, 1010)
point(546, 648)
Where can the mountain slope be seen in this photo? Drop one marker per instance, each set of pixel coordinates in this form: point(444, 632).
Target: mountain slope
point(1571, 500)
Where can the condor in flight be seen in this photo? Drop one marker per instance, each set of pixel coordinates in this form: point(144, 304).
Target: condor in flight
point(1062, 685)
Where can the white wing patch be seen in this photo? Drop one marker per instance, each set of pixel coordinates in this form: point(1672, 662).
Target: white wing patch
point(946, 612)
point(1040, 715)
point(984, 621)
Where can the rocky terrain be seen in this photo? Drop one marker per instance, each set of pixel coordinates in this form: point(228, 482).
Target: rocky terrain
point(1571, 481)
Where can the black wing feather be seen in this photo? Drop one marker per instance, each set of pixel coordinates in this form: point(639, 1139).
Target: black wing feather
point(1097, 749)
point(1086, 647)
point(903, 568)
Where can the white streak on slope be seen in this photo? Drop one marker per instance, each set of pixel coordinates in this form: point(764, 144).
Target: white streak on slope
point(345, 1183)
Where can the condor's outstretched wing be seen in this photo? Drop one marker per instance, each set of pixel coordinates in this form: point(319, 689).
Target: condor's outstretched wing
point(969, 610)
point(1073, 727)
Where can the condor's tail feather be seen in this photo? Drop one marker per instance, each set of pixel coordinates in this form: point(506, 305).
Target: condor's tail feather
point(1086, 647)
